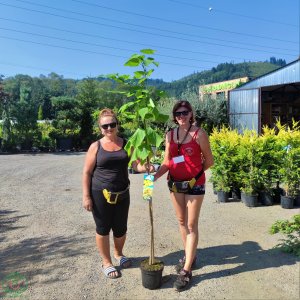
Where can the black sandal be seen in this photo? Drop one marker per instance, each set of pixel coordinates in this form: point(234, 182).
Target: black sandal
point(181, 263)
point(182, 280)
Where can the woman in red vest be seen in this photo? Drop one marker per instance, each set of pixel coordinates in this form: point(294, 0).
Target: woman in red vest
point(187, 156)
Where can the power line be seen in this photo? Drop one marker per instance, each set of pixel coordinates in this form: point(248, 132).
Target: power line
point(99, 45)
point(89, 51)
point(134, 30)
point(177, 22)
point(34, 68)
point(118, 40)
point(234, 14)
point(151, 33)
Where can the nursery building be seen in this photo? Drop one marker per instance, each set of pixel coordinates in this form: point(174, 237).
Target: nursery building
point(220, 88)
point(266, 99)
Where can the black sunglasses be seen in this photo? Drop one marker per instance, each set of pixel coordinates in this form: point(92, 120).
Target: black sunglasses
point(181, 113)
point(111, 125)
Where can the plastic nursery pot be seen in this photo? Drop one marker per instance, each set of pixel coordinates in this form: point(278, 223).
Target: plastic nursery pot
point(297, 200)
point(287, 201)
point(265, 198)
point(277, 192)
point(223, 196)
point(250, 200)
point(236, 193)
point(151, 274)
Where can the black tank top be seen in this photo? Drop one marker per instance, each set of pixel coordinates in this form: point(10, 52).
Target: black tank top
point(111, 170)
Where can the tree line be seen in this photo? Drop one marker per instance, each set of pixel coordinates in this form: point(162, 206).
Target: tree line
point(36, 111)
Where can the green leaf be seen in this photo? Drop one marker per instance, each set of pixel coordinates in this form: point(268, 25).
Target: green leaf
point(143, 153)
point(141, 81)
point(130, 116)
point(133, 62)
point(151, 103)
point(139, 74)
point(138, 137)
point(148, 61)
point(126, 106)
point(150, 72)
point(153, 137)
point(161, 118)
point(143, 112)
point(148, 51)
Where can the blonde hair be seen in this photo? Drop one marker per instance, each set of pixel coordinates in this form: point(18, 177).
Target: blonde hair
point(107, 112)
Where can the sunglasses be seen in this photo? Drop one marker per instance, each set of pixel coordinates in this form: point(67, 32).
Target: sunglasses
point(111, 125)
point(181, 113)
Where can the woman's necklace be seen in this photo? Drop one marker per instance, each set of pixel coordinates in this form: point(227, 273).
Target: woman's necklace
point(186, 134)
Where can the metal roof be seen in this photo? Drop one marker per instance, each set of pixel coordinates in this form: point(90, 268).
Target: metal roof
point(288, 74)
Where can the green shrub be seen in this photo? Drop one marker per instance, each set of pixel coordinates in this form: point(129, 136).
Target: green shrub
point(291, 229)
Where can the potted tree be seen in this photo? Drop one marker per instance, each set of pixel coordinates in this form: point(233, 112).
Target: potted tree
point(141, 107)
point(289, 170)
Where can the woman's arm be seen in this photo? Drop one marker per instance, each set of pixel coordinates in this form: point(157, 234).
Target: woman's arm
point(164, 168)
point(90, 161)
point(203, 141)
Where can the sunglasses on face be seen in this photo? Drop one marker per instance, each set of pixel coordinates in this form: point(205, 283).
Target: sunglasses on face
point(181, 113)
point(111, 125)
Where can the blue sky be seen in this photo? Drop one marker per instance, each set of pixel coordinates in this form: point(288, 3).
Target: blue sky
point(82, 38)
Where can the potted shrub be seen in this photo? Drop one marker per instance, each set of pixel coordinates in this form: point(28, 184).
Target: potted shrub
point(142, 108)
point(250, 172)
point(289, 170)
point(268, 150)
point(291, 229)
point(223, 149)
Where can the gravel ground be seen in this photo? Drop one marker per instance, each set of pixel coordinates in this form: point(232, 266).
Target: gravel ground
point(47, 238)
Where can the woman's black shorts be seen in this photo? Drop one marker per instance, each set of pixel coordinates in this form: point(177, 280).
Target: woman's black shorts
point(110, 216)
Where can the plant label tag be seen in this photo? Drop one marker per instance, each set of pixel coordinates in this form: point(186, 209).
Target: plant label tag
point(178, 159)
point(148, 187)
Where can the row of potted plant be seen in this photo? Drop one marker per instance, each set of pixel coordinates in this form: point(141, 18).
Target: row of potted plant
point(263, 165)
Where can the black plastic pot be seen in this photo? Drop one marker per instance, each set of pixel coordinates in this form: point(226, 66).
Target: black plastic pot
point(223, 196)
point(151, 279)
point(236, 193)
point(287, 201)
point(265, 198)
point(64, 143)
point(250, 200)
point(297, 200)
point(277, 192)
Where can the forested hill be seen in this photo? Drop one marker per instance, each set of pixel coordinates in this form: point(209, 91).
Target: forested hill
point(224, 71)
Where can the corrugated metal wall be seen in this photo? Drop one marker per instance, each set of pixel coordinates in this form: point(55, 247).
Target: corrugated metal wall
point(244, 109)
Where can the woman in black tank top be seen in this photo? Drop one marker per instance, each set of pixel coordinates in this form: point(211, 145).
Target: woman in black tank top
point(106, 191)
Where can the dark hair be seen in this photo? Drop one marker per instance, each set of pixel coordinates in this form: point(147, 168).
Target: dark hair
point(186, 104)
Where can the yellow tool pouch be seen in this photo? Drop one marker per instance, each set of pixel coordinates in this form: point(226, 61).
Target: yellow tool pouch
point(113, 197)
point(183, 186)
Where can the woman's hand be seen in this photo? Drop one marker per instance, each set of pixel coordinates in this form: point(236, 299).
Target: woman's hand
point(149, 168)
point(87, 203)
point(145, 168)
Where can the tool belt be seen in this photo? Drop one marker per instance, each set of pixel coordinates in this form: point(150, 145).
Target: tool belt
point(113, 197)
point(183, 186)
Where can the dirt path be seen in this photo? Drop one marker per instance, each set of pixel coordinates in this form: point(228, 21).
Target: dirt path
point(47, 240)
